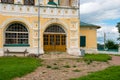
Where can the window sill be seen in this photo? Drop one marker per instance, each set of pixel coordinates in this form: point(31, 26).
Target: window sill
point(16, 45)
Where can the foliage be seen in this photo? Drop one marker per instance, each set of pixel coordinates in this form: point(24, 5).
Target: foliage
point(111, 44)
point(118, 26)
point(111, 73)
point(100, 46)
point(11, 67)
point(96, 57)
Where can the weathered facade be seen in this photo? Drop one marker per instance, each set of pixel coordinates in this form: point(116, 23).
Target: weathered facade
point(59, 26)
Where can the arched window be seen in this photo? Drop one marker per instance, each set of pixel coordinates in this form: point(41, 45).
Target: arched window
point(54, 29)
point(29, 2)
point(7, 1)
point(16, 34)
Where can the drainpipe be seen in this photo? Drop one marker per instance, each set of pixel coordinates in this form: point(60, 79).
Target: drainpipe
point(80, 54)
point(38, 27)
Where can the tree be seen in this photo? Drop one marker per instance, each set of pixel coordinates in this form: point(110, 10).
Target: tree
point(118, 26)
point(111, 44)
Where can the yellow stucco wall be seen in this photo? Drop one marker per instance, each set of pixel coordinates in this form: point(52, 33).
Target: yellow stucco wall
point(66, 16)
point(32, 25)
point(91, 36)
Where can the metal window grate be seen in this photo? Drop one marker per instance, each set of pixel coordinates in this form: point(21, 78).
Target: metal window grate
point(7, 1)
point(16, 34)
point(29, 2)
point(54, 29)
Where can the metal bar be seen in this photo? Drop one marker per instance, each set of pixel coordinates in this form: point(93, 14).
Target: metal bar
point(38, 27)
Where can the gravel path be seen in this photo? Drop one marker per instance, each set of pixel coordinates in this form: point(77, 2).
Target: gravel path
point(115, 60)
point(58, 71)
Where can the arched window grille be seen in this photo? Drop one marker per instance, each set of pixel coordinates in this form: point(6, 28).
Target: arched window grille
point(29, 2)
point(7, 1)
point(54, 29)
point(16, 33)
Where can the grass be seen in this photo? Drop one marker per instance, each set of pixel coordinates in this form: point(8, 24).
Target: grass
point(97, 57)
point(55, 68)
point(111, 73)
point(116, 54)
point(74, 66)
point(76, 70)
point(11, 67)
point(66, 66)
point(48, 66)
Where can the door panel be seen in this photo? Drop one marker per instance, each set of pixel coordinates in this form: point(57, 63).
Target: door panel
point(55, 42)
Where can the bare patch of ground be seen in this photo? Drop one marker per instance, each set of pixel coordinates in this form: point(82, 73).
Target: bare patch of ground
point(64, 67)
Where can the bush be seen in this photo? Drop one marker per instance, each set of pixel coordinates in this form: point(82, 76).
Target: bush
point(111, 44)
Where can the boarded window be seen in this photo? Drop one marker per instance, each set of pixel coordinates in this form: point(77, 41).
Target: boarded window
point(82, 41)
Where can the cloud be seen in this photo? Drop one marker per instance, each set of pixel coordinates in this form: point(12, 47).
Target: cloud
point(105, 13)
point(110, 31)
point(89, 8)
point(99, 10)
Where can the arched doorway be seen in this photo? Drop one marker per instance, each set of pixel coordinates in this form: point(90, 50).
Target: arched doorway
point(54, 39)
point(16, 34)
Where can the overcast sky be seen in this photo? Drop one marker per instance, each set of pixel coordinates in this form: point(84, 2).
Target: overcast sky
point(105, 13)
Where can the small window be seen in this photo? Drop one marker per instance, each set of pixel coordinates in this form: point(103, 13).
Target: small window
point(7, 1)
point(28, 2)
point(65, 2)
point(82, 41)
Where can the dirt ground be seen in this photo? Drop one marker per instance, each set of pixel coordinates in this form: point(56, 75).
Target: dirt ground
point(65, 67)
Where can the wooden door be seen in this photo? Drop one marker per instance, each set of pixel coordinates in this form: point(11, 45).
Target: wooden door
point(55, 42)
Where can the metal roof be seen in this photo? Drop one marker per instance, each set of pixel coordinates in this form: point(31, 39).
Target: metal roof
point(82, 24)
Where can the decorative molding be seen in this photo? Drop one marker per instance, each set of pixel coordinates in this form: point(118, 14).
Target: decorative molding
point(30, 11)
point(8, 21)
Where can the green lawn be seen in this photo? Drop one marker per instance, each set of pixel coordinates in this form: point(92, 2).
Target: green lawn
point(97, 57)
point(11, 67)
point(111, 73)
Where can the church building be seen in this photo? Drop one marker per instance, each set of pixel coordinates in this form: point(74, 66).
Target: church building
point(59, 28)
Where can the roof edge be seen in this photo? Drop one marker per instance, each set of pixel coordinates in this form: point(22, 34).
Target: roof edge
point(83, 24)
